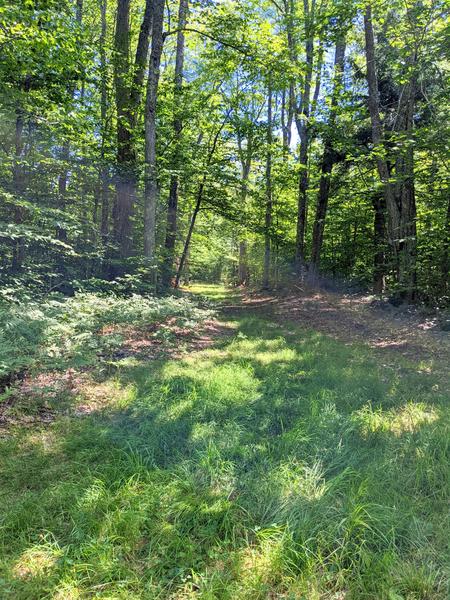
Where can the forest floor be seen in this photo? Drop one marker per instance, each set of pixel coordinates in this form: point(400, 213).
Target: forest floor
point(359, 318)
point(295, 447)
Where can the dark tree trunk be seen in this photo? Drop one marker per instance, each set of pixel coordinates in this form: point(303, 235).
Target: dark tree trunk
point(243, 270)
point(388, 204)
point(379, 228)
point(172, 208)
point(399, 198)
point(187, 242)
point(245, 156)
point(125, 182)
point(104, 184)
point(405, 238)
point(445, 264)
point(61, 233)
point(151, 174)
point(328, 160)
point(128, 97)
point(290, 105)
point(18, 250)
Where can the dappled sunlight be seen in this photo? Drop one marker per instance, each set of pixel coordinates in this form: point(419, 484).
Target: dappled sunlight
point(262, 351)
point(405, 419)
point(247, 467)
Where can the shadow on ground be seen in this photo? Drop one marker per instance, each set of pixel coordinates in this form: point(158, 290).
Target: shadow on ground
point(275, 462)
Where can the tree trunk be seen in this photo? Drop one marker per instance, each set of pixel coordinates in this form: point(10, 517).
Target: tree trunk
point(406, 236)
point(302, 123)
point(379, 228)
point(151, 175)
point(289, 16)
point(243, 272)
point(18, 250)
point(125, 183)
point(128, 97)
point(268, 215)
point(190, 231)
point(328, 159)
point(245, 157)
point(172, 208)
point(399, 199)
point(104, 186)
point(445, 264)
point(61, 233)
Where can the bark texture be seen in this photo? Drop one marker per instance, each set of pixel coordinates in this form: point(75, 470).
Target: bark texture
point(399, 193)
point(128, 98)
point(151, 174)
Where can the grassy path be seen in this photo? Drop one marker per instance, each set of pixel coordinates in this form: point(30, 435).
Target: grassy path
point(275, 463)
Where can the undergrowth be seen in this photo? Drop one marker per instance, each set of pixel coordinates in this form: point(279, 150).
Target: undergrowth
point(277, 464)
point(62, 332)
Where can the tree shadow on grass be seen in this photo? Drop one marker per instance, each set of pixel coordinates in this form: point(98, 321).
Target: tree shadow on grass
point(302, 442)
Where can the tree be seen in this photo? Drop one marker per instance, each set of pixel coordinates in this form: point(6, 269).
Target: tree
point(151, 174)
point(128, 81)
point(172, 208)
point(328, 158)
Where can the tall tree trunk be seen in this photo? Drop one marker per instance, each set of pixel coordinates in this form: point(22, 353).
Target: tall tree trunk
point(268, 215)
point(445, 263)
point(302, 122)
point(245, 157)
point(399, 198)
point(388, 204)
point(172, 208)
point(125, 182)
point(151, 174)
point(319, 68)
point(288, 108)
point(128, 97)
point(328, 159)
point(243, 271)
point(406, 236)
point(104, 185)
point(18, 250)
point(187, 242)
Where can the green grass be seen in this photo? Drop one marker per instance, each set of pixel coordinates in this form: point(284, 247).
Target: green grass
point(277, 464)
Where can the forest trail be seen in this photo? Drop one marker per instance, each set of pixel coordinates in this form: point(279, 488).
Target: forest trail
point(256, 458)
point(355, 318)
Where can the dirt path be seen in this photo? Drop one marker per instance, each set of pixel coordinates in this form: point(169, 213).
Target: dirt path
point(354, 318)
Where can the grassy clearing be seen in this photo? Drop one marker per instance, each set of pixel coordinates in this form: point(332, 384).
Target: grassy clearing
point(277, 464)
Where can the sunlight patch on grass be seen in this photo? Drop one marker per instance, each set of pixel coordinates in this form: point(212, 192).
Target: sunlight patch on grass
point(37, 561)
point(405, 419)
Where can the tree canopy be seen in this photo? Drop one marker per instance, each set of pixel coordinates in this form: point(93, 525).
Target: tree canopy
point(148, 142)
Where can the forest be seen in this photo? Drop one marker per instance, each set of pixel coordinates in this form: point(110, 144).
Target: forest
point(144, 144)
point(224, 300)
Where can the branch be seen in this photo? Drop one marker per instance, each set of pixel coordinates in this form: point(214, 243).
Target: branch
point(240, 49)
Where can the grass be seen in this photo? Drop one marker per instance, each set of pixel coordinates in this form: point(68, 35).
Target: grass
point(277, 464)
